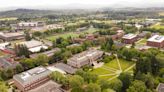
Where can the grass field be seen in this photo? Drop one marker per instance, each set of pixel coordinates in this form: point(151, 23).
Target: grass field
point(112, 70)
point(142, 41)
point(158, 26)
point(1, 53)
point(161, 13)
point(11, 18)
point(66, 35)
point(72, 34)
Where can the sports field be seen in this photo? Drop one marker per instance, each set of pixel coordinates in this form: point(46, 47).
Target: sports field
point(72, 34)
point(112, 70)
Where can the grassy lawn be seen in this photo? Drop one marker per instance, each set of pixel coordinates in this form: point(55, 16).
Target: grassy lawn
point(11, 18)
point(66, 35)
point(161, 13)
point(142, 41)
point(111, 70)
point(1, 53)
point(157, 26)
point(72, 34)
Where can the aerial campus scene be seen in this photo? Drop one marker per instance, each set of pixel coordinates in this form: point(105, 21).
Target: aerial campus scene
point(82, 46)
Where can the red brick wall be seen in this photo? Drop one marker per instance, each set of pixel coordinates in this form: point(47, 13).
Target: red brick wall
point(32, 85)
point(130, 41)
point(155, 44)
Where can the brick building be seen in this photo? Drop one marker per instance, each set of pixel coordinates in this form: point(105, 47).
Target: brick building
point(129, 38)
point(118, 35)
point(11, 36)
point(31, 79)
point(156, 41)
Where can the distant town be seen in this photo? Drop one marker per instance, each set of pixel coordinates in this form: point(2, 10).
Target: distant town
point(93, 51)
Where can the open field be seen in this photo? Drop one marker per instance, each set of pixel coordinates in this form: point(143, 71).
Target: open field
point(142, 41)
point(11, 18)
point(66, 35)
point(158, 26)
point(112, 70)
point(72, 34)
point(161, 13)
point(107, 21)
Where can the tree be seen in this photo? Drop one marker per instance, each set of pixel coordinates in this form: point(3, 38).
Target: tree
point(160, 59)
point(137, 86)
point(3, 87)
point(27, 36)
point(126, 79)
point(9, 73)
point(104, 84)
point(21, 50)
point(110, 43)
point(19, 69)
point(28, 63)
point(116, 85)
point(59, 78)
point(92, 87)
point(133, 45)
point(76, 81)
point(108, 90)
point(144, 65)
point(88, 77)
point(77, 89)
point(42, 60)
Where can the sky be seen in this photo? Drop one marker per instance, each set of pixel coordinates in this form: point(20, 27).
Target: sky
point(47, 3)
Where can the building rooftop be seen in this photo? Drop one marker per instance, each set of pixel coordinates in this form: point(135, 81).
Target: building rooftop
point(84, 57)
point(129, 36)
point(156, 38)
point(7, 62)
point(85, 54)
point(160, 87)
point(49, 86)
point(11, 34)
point(32, 43)
point(48, 53)
point(27, 23)
point(66, 68)
point(31, 75)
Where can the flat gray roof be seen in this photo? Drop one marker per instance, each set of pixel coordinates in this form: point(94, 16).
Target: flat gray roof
point(11, 34)
point(48, 53)
point(29, 76)
point(7, 62)
point(129, 36)
point(83, 56)
point(66, 68)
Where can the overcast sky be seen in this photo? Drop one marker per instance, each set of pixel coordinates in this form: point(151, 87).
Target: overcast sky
point(34, 3)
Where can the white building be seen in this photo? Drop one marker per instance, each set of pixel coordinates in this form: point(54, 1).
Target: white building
point(34, 46)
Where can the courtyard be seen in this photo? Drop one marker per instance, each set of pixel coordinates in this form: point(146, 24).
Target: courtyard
point(114, 68)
